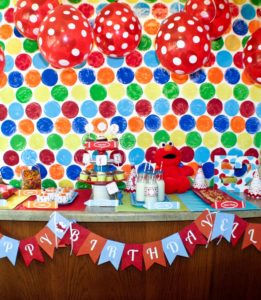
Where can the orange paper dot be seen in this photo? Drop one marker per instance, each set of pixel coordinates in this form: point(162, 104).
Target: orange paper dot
point(253, 26)
point(5, 31)
point(194, 166)
point(136, 124)
point(105, 75)
point(68, 77)
point(143, 75)
point(33, 78)
point(100, 125)
point(19, 170)
point(204, 123)
point(127, 169)
point(237, 124)
point(56, 171)
point(151, 26)
point(62, 125)
point(179, 78)
point(169, 122)
point(246, 78)
point(215, 75)
point(3, 80)
point(26, 126)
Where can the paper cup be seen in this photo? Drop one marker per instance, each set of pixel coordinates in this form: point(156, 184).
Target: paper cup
point(119, 175)
point(101, 176)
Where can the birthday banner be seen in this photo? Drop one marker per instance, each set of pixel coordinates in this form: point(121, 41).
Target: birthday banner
point(60, 232)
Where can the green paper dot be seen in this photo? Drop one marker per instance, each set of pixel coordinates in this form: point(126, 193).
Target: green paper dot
point(217, 44)
point(46, 183)
point(30, 46)
point(98, 92)
point(75, 1)
point(16, 183)
point(257, 140)
point(18, 142)
point(24, 94)
point(59, 92)
point(82, 186)
point(151, 1)
point(145, 43)
point(54, 141)
point(228, 139)
point(134, 91)
point(256, 2)
point(121, 185)
point(240, 92)
point(88, 136)
point(207, 90)
point(161, 136)
point(170, 90)
point(193, 139)
point(4, 4)
point(245, 40)
point(2, 45)
point(211, 182)
point(127, 141)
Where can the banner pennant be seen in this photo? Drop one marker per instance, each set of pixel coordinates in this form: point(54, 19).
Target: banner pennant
point(112, 252)
point(30, 251)
point(239, 227)
point(46, 240)
point(223, 226)
point(9, 248)
point(153, 253)
point(205, 223)
point(191, 237)
point(173, 246)
point(252, 236)
point(58, 224)
point(93, 246)
point(132, 256)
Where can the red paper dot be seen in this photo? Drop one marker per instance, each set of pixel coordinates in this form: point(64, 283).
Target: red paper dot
point(217, 151)
point(211, 60)
point(234, 10)
point(9, 15)
point(150, 154)
point(258, 12)
point(143, 108)
point(238, 59)
point(11, 158)
point(23, 61)
point(33, 110)
point(252, 152)
point(96, 59)
point(180, 106)
point(134, 59)
point(46, 157)
point(247, 109)
point(86, 9)
point(214, 107)
point(107, 109)
point(70, 109)
point(187, 154)
point(78, 156)
point(3, 112)
point(160, 11)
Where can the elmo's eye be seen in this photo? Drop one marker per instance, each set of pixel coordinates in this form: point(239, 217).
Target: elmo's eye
point(170, 143)
point(162, 145)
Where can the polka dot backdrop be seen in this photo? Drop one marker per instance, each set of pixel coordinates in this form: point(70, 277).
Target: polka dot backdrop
point(44, 111)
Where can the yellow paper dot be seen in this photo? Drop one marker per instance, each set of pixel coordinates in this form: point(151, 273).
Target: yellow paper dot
point(224, 91)
point(7, 95)
point(255, 92)
point(210, 140)
point(232, 42)
point(132, 1)
point(239, 1)
point(3, 143)
point(244, 141)
point(178, 137)
point(92, 1)
point(144, 140)
point(189, 91)
point(167, 1)
point(65, 183)
point(116, 91)
point(79, 93)
point(152, 91)
point(42, 94)
point(72, 142)
point(36, 141)
point(13, 46)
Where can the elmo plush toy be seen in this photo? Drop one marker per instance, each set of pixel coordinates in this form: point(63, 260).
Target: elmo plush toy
point(168, 159)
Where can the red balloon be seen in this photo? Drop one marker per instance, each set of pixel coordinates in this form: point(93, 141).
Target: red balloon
point(2, 61)
point(214, 13)
point(182, 44)
point(252, 56)
point(65, 38)
point(30, 13)
point(117, 30)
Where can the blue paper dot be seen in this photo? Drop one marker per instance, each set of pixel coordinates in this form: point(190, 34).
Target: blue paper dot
point(198, 107)
point(202, 155)
point(73, 172)
point(1, 17)
point(7, 173)
point(86, 76)
point(151, 59)
point(15, 79)
point(100, 7)
point(121, 122)
point(248, 12)
point(232, 76)
point(161, 106)
point(81, 65)
point(125, 75)
point(208, 169)
point(125, 107)
point(142, 10)
point(114, 62)
point(240, 27)
point(198, 77)
point(16, 111)
point(224, 58)
point(231, 108)
point(145, 167)
point(176, 7)
point(258, 110)
point(9, 63)
point(49, 77)
point(39, 62)
point(41, 168)
point(221, 123)
point(235, 151)
point(8, 127)
point(17, 33)
point(253, 125)
point(161, 75)
point(64, 157)
point(78, 125)
point(44, 125)
point(136, 156)
point(89, 109)
point(152, 123)
point(29, 157)
point(52, 109)
point(187, 122)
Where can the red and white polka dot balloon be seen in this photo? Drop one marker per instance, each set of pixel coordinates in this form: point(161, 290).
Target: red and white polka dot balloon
point(65, 38)
point(252, 56)
point(182, 44)
point(214, 13)
point(29, 14)
point(117, 31)
point(2, 61)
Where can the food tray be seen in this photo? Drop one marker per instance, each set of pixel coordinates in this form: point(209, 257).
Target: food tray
point(75, 194)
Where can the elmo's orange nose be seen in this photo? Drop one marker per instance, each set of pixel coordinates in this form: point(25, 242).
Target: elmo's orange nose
point(168, 147)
